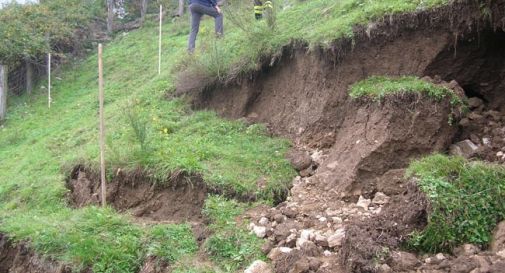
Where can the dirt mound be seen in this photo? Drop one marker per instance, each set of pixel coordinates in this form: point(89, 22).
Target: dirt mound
point(20, 259)
point(179, 200)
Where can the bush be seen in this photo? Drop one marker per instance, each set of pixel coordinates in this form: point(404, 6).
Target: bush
point(466, 201)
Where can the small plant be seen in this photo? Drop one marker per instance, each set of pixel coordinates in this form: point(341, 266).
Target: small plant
point(139, 126)
point(466, 201)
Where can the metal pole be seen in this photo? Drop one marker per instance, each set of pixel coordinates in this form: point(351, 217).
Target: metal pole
point(102, 126)
point(159, 42)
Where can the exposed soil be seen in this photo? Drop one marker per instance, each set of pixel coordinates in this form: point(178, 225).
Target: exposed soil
point(179, 200)
point(18, 258)
point(349, 152)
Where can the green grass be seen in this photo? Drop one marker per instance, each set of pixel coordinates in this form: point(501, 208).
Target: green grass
point(171, 242)
point(317, 23)
point(38, 146)
point(231, 245)
point(466, 201)
point(379, 87)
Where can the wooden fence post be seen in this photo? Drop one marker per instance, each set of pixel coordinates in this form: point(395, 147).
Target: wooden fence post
point(29, 77)
point(102, 126)
point(3, 91)
point(159, 42)
point(49, 100)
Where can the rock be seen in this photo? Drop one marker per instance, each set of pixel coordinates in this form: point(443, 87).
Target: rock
point(464, 122)
point(310, 249)
point(300, 242)
point(258, 267)
point(475, 117)
point(321, 240)
point(290, 213)
point(279, 218)
point(486, 141)
point(380, 199)
point(300, 160)
point(314, 263)
point(337, 220)
point(498, 241)
point(307, 234)
point(263, 221)
point(403, 261)
point(475, 102)
point(260, 231)
point(337, 238)
point(440, 257)
point(318, 157)
point(466, 249)
point(384, 268)
point(363, 203)
point(327, 253)
point(464, 148)
point(277, 252)
point(501, 253)
point(301, 266)
point(267, 247)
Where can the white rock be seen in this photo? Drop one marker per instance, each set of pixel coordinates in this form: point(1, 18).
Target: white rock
point(251, 226)
point(486, 141)
point(500, 154)
point(501, 253)
point(327, 253)
point(337, 220)
point(323, 219)
point(363, 203)
point(300, 242)
point(440, 257)
point(380, 198)
point(465, 148)
point(263, 221)
point(260, 231)
point(258, 267)
point(337, 238)
point(291, 238)
point(285, 249)
point(333, 165)
point(307, 234)
point(321, 240)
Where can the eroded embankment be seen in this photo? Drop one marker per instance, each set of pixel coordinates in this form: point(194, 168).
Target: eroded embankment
point(358, 148)
point(178, 200)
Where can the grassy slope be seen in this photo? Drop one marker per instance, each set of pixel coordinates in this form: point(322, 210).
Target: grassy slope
point(37, 145)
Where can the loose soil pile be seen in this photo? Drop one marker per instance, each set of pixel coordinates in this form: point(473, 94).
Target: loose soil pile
point(178, 200)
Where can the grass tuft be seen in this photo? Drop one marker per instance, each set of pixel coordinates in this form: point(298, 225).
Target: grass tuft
point(466, 201)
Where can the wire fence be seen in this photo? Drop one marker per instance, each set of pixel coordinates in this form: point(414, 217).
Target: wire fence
point(24, 76)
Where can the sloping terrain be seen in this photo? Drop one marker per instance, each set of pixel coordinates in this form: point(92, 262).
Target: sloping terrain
point(183, 183)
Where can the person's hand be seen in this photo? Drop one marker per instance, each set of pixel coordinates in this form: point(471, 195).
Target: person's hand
point(219, 10)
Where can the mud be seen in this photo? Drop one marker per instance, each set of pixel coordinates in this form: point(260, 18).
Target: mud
point(178, 200)
point(19, 258)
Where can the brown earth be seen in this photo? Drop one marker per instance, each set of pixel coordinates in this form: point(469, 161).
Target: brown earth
point(178, 200)
point(19, 258)
point(358, 149)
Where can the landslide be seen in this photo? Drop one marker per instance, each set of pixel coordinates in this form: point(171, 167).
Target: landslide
point(354, 149)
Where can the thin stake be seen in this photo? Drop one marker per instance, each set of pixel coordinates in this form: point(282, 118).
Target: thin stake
point(49, 80)
point(102, 125)
point(159, 43)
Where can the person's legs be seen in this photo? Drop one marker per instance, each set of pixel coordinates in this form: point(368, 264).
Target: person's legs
point(196, 16)
point(218, 17)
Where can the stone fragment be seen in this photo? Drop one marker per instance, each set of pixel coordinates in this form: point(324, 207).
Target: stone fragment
point(337, 238)
point(464, 148)
point(321, 240)
point(363, 203)
point(380, 199)
point(403, 261)
point(260, 231)
point(310, 249)
point(263, 221)
point(384, 268)
point(300, 160)
point(475, 102)
point(466, 249)
point(258, 267)
point(267, 247)
point(279, 218)
point(327, 253)
point(314, 263)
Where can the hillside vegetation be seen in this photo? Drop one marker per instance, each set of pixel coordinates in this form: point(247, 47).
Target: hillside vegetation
point(147, 131)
